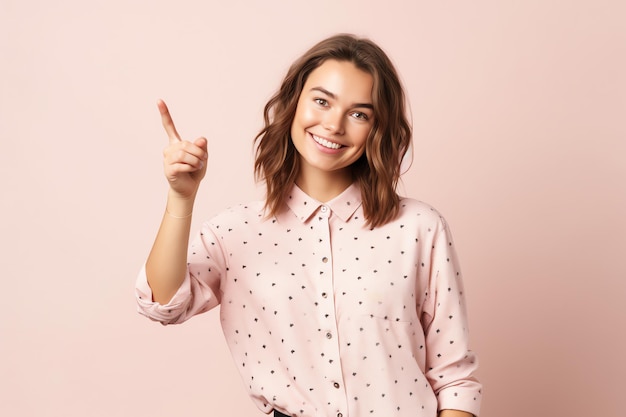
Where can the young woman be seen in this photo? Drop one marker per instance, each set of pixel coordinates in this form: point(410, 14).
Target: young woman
point(337, 296)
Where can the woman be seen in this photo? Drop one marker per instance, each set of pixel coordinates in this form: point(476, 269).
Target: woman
point(338, 297)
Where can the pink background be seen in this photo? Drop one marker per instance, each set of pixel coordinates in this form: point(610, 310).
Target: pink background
point(520, 140)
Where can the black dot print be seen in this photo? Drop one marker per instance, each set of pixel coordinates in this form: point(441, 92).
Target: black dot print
point(325, 316)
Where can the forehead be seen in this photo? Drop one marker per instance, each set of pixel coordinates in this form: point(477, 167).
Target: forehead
point(343, 79)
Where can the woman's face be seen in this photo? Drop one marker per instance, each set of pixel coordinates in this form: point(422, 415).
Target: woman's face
point(333, 119)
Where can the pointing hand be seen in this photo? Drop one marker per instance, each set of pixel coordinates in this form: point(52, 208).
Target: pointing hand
point(184, 162)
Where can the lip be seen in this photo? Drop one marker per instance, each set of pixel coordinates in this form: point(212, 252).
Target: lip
point(321, 142)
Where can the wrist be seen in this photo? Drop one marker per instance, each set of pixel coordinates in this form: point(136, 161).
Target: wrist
point(178, 206)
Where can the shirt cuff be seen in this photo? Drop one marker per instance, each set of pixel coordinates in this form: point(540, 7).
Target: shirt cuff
point(466, 397)
point(170, 313)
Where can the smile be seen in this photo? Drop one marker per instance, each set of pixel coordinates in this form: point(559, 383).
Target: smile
point(326, 143)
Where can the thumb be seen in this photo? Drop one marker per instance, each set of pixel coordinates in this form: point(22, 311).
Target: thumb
point(202, 143)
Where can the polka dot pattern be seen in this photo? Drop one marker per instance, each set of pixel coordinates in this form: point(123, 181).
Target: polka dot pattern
point(325, 316)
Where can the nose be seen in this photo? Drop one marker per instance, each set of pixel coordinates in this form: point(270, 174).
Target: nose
point(333, 122)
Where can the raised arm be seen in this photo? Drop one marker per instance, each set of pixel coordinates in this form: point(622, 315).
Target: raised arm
point(184, 164)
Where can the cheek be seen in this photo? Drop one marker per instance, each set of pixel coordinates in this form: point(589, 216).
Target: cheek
point(305, 115)
point(363, 134)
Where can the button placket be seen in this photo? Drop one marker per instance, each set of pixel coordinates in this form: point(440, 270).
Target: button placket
point(328, 310)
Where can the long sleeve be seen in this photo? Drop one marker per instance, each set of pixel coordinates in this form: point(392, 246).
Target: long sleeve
point(200, 290)
point(450, 363)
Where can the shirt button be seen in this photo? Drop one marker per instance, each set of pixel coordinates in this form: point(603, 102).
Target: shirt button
point(336, 385)
point(324, 295)
point(329, 335)
point(339, 415)
point(324, 259)
point(324, 209)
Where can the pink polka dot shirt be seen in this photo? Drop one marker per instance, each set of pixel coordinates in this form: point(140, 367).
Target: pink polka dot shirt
point(327, 317)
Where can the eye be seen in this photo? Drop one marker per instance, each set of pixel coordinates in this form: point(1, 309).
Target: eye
point(360, 115)
point(321, 102)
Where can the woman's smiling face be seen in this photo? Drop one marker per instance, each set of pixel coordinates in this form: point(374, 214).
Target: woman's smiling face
point(333, 119)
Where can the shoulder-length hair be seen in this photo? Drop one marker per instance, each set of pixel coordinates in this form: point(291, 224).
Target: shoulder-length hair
point(378, 170)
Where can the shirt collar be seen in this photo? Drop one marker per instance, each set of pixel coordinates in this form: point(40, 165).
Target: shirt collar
point(343, 206)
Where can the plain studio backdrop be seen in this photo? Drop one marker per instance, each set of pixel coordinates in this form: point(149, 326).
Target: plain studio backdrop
point(519, 114)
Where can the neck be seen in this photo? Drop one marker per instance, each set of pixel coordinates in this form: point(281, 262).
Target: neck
point(323, 186)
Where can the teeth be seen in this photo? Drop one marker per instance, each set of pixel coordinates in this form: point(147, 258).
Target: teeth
point(326, 143)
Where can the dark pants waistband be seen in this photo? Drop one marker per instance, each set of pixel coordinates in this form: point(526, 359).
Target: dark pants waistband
point(279, 414)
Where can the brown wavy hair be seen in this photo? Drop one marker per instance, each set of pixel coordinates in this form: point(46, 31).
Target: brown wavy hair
point(378, 170)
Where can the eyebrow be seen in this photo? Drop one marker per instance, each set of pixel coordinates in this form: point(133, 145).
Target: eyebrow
point(334, 97)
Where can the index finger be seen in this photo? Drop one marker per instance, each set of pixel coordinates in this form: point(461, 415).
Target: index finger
point(168, 123)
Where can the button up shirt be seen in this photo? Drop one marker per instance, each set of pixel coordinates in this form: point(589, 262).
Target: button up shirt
point(325, 316)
